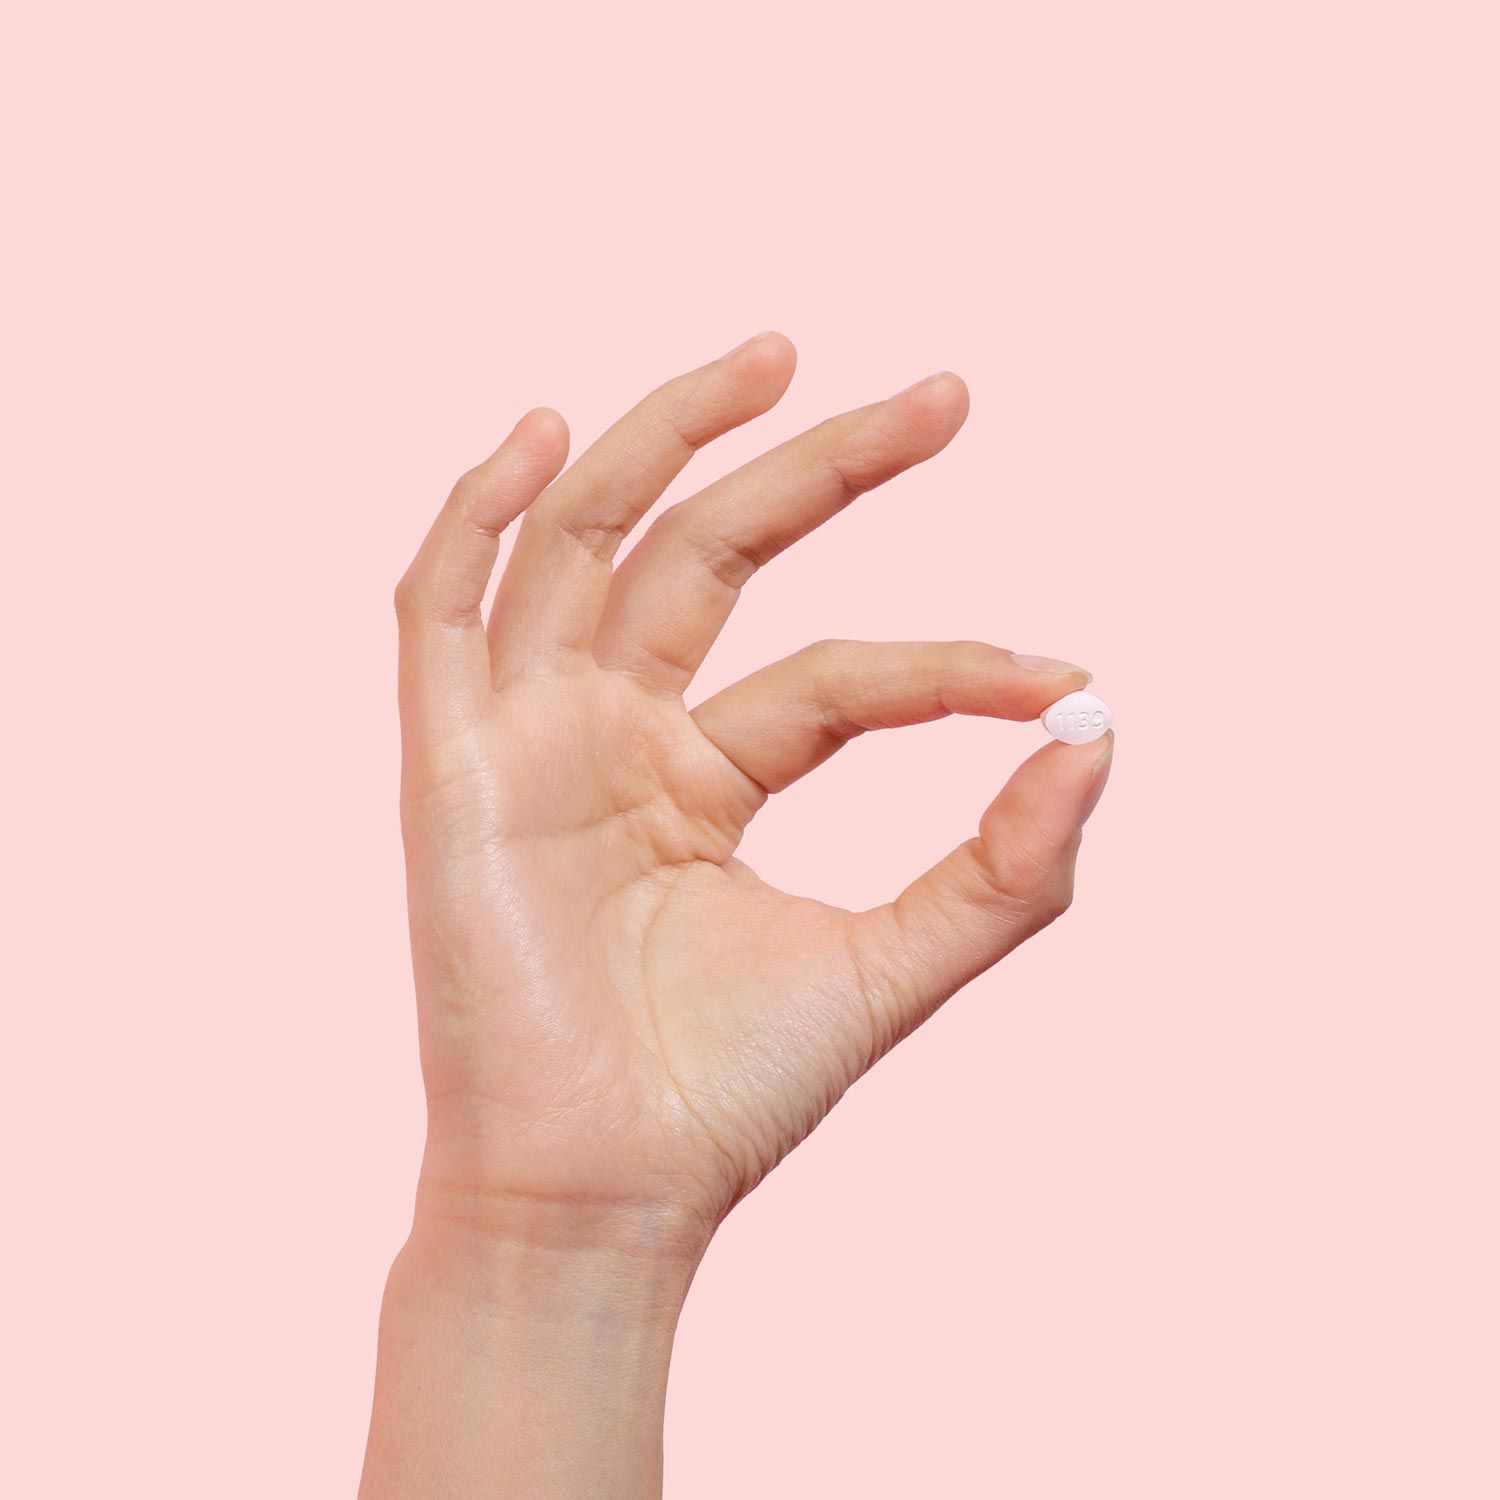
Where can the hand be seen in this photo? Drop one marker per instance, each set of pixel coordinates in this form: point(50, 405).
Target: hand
point(622, 1028)
point(617, 1016)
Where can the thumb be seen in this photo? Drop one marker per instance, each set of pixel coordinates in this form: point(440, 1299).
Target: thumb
point(989, 894)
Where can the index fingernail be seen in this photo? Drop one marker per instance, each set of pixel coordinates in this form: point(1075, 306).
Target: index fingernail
point(1051, 664)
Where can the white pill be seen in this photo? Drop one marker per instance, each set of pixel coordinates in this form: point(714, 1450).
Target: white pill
point(1078, 718)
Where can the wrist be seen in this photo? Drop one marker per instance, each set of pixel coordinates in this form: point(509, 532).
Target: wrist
point(554, 1256)
point(549, 1329)
point(489, 1199)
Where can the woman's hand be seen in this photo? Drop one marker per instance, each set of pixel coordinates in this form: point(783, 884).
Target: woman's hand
point(623, 1029)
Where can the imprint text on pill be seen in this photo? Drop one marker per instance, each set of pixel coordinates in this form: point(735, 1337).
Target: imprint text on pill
point(1078, 718)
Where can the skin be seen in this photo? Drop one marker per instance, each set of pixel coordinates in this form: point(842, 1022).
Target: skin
point(623, 1029)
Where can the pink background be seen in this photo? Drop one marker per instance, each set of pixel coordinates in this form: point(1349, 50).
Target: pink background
point(1196, 1196)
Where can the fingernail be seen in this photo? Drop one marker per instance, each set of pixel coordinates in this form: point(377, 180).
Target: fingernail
point(1051, 664)
point(753, 339)
point(1100, 776)
point(925, 380)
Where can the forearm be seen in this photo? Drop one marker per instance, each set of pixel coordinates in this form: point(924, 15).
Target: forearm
point(523, 1353)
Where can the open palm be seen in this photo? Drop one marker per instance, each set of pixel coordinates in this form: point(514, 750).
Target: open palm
point(616, 1013)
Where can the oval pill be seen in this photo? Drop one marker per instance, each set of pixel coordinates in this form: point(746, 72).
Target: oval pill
point(1078, 718)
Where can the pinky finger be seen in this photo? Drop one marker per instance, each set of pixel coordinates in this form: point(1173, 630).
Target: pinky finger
point(444, 654)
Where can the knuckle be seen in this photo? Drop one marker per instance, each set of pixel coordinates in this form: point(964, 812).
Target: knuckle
point(695, 408)
point(1059, 897)
point(850, 474)
point(1028, 882)
point(465, 496)
point(824, 654)
point(404, 598)
point(674, 410)
point(598, 540)
point(828, 667)
point(731, 563)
